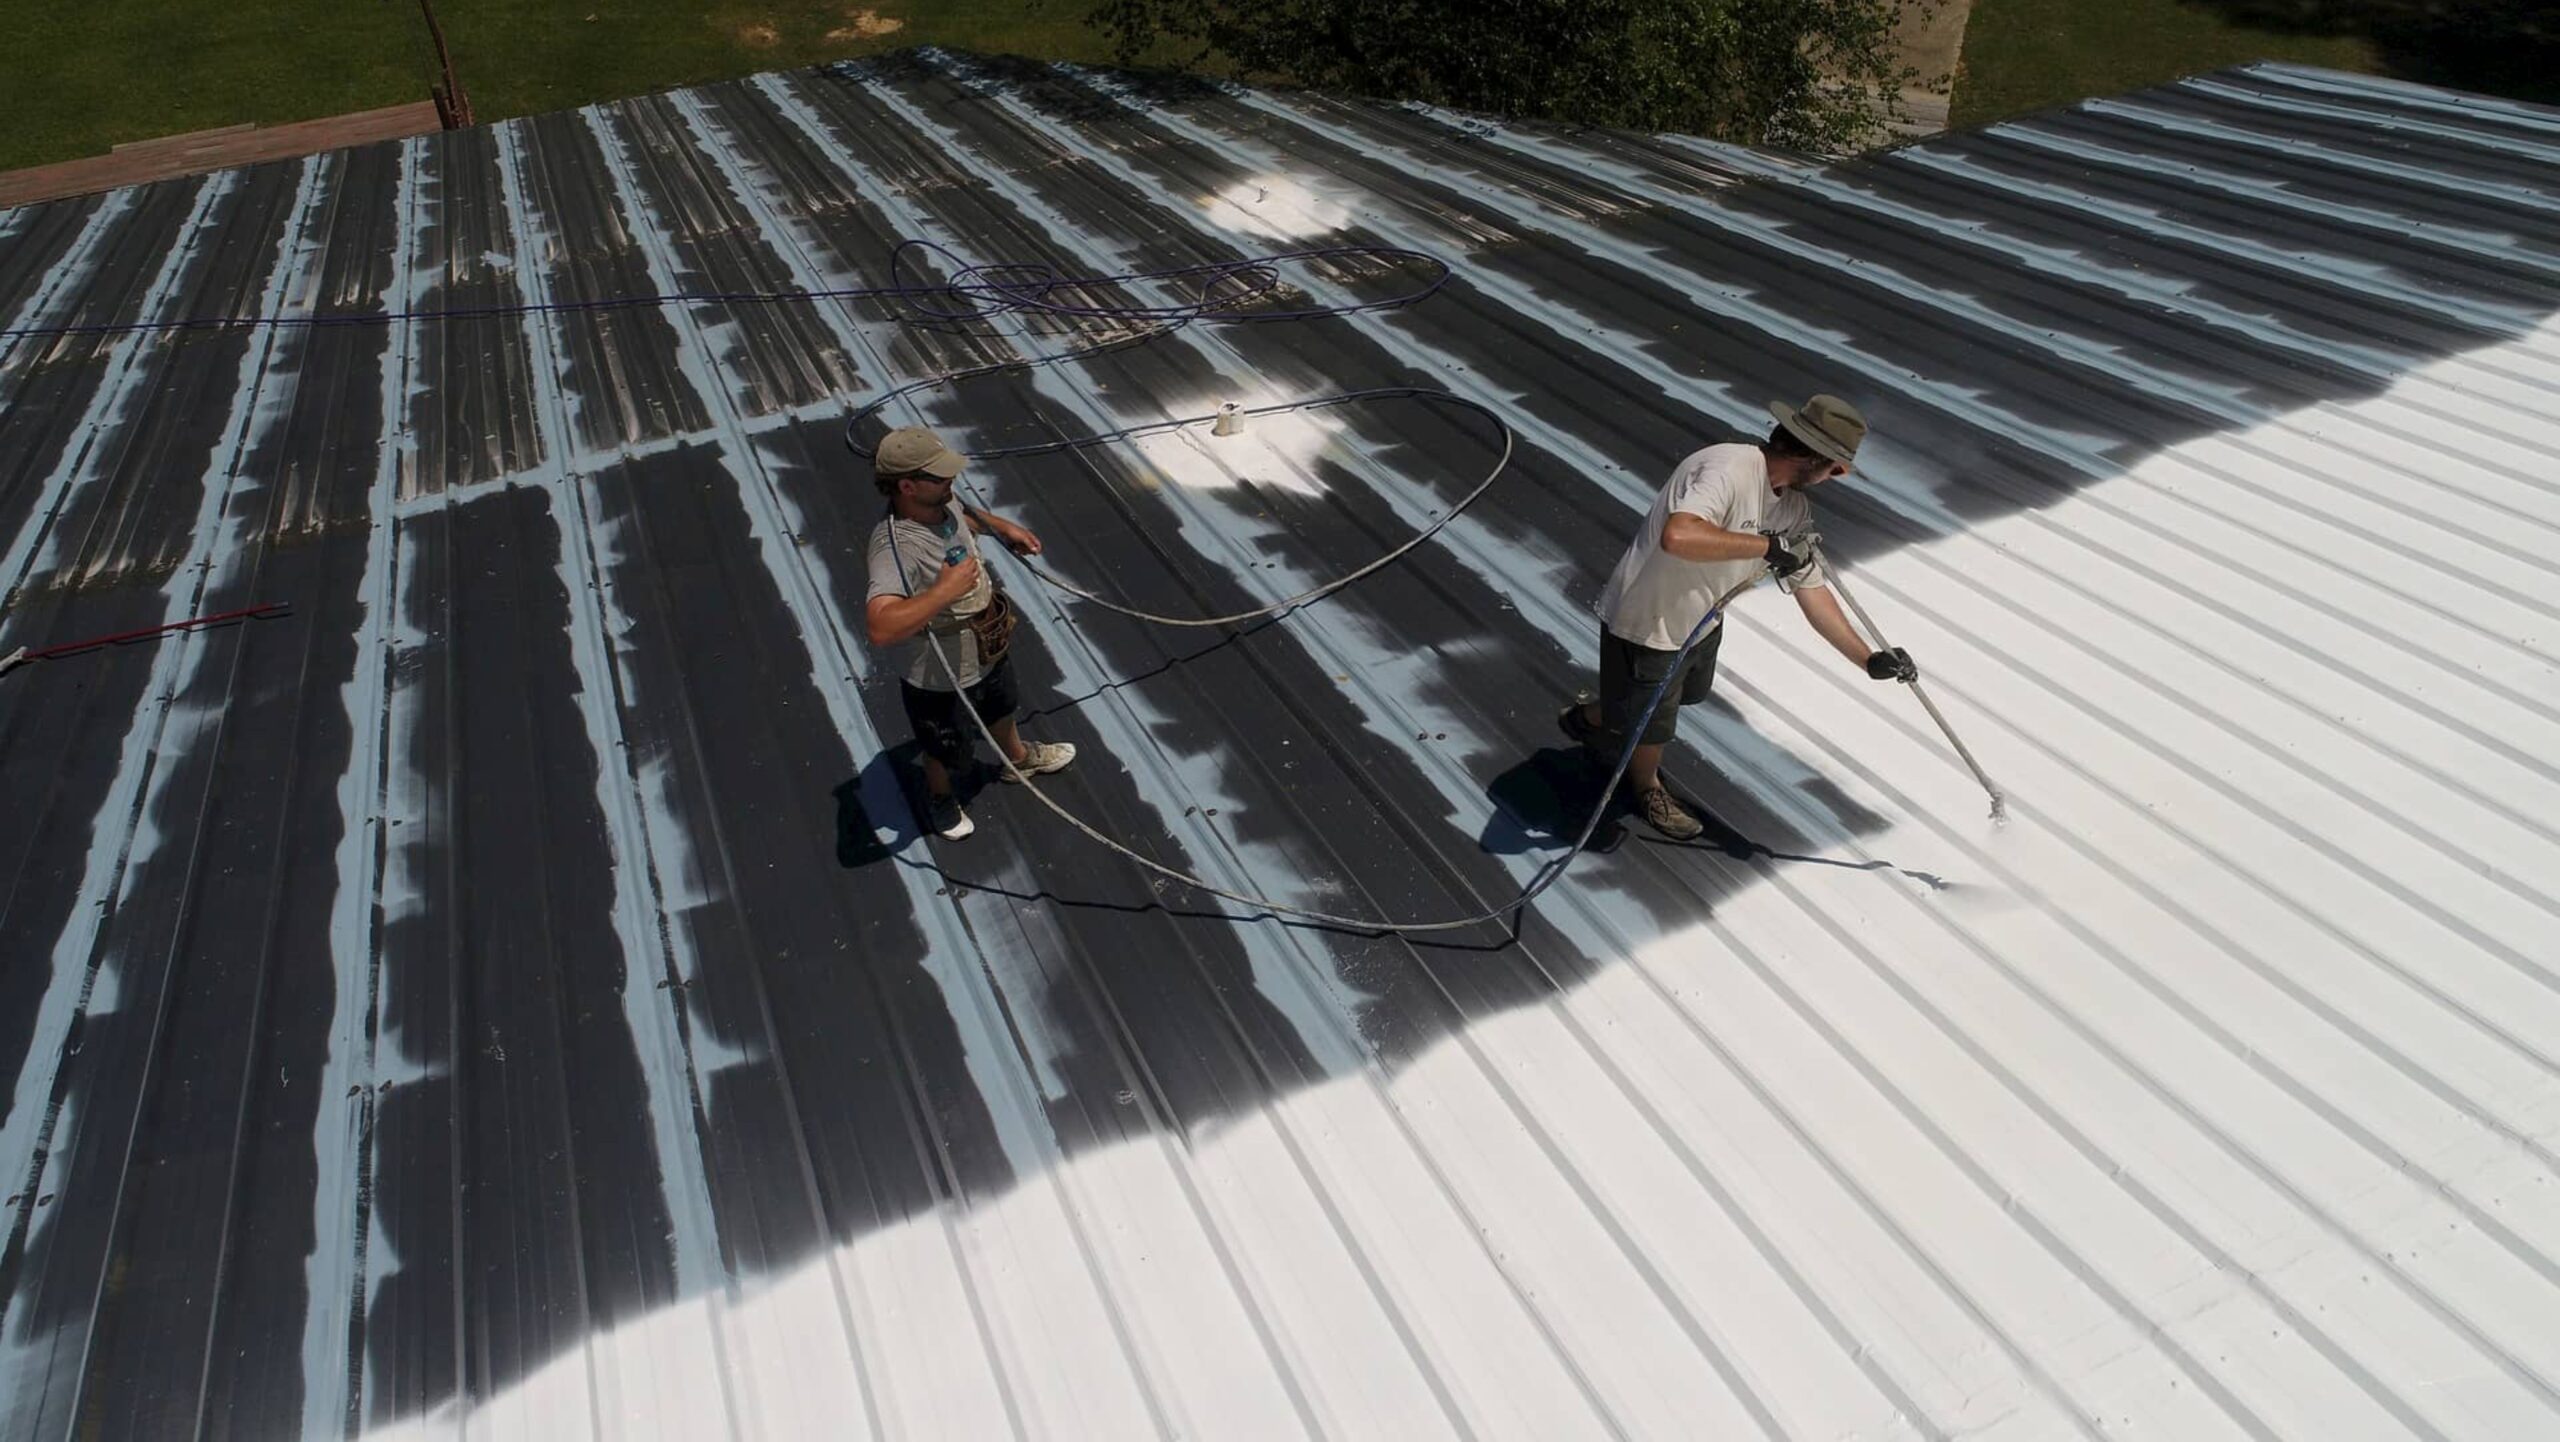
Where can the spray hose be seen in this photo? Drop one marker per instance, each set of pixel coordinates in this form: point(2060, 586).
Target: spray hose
point(983, 291)
point(1546, 876)
point(986, 290)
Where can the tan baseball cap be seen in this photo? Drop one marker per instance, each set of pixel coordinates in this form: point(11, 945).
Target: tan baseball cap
point(1829, 424)
point(912, 450)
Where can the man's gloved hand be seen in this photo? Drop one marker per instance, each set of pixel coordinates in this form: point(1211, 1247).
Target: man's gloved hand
point(1893, 665)
point(1783, 562)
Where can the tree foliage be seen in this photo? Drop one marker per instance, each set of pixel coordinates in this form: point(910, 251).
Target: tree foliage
point(1804, 74)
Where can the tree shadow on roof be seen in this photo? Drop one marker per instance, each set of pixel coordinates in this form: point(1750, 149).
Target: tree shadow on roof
point(2495, 47)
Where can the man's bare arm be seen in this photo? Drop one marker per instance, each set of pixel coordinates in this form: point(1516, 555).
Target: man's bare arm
point(1822, 609)
point(1012, 535)
point(892, 619)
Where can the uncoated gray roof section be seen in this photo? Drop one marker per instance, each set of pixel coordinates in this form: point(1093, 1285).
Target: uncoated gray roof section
point(507, 989)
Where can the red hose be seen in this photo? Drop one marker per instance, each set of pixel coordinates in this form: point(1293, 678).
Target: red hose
point(69, 648)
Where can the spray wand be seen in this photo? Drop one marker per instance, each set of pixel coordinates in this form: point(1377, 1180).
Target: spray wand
point(1866, 623)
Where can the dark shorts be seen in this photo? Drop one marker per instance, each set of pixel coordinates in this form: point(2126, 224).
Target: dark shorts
point(1628, 674)
point(943, 729)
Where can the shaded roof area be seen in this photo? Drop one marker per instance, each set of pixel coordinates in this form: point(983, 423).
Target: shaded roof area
point(510, 986)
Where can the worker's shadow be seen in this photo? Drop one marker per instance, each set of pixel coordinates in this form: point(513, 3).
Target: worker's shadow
point(879, 813)
point(1541, 804)
point(1544, 802)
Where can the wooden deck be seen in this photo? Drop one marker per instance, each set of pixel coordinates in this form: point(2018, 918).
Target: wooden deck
point(203, 150)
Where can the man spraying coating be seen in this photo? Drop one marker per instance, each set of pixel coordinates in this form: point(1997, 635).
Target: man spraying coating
point(1727, 511)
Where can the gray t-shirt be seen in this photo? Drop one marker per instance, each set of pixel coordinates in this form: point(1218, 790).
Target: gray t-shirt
point(920, 550)
point(1655, 597)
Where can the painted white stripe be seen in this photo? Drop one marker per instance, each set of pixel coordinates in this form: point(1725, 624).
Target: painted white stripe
point(654, 943)
point(372, 887)
point(64, 283)
point(124, 833)
point(2407, 95)
point(111, 406)
point(2297, 148)
point(2423, 228)
point(2079, 267)
point(2399, 121)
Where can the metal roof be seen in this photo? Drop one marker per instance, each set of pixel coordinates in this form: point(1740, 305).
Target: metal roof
point(507, 995)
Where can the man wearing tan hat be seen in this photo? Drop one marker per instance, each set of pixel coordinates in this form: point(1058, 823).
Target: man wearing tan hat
point(1728, 512)
point(926, 580)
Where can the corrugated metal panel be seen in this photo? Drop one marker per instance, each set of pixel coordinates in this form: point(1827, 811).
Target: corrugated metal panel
point(509, 994)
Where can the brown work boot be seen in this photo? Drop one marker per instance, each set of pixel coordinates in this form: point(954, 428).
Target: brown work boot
point(1665, 814)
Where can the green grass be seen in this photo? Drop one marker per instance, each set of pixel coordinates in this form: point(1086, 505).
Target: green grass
point(2024, 55)
point(76, 79)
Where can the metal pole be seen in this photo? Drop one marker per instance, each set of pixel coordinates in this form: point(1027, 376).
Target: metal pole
point(1866, 623)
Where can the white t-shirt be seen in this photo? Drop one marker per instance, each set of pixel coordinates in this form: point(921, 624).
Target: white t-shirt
point(1654, 598)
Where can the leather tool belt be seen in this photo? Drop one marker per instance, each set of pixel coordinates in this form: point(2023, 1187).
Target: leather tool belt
point(994, 627)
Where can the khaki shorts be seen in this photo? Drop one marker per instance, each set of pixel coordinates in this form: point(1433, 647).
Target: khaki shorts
point(1628, 674)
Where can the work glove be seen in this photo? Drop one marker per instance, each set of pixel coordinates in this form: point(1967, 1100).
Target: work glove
point(1892, 665)
point(1783, 562)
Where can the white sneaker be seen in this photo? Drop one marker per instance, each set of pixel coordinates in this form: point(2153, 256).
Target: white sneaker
point(1039, 758)
point(947, 820)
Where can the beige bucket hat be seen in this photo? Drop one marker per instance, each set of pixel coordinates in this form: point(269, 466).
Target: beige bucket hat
point(1830, 425)
point(913, 450)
